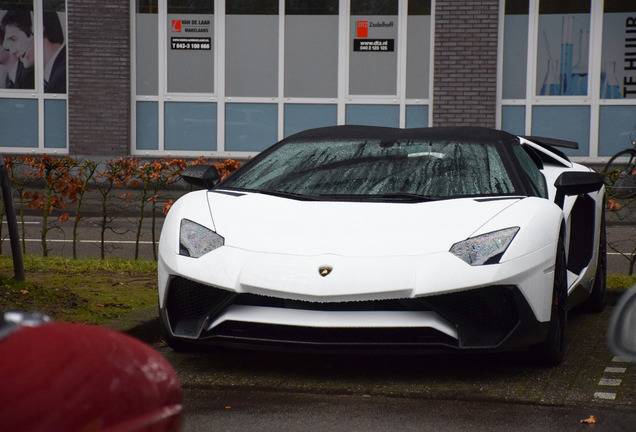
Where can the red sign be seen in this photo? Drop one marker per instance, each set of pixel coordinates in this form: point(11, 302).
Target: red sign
point(176, 26)
point(363, 29)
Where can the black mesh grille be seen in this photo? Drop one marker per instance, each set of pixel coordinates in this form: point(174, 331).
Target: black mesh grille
point(190, 305)
point(368, 305)
point(484, 316)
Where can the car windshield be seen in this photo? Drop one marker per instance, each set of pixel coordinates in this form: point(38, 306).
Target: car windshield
point(375, 169)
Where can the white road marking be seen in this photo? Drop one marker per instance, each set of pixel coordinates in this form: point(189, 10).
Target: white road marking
point(605, 395)
point(612, 382)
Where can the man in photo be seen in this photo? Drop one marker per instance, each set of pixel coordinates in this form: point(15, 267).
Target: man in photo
point(54, 52)
point(18, 40)
point(8, 65)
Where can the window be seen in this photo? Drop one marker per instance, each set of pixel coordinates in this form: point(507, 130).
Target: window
point(568, 71)
point(231, 78)
point(33, 78)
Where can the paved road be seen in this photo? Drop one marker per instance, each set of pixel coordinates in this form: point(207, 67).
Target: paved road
point(249, 410)
point(121, 235)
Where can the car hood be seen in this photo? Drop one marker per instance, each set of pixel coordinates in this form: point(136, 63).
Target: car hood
point(264, 223)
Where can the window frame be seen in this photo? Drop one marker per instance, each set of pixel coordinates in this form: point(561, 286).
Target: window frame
point(341, 101)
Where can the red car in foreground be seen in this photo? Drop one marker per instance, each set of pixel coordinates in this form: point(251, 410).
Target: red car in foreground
point(75, 377)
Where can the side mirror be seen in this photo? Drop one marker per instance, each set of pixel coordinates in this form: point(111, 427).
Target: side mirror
point(576, 183)
point(621, 335)
point(204, 176)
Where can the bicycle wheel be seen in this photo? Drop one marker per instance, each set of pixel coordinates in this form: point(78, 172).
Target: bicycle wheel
point(620, 174)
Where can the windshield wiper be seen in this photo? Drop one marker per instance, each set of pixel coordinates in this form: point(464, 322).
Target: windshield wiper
point(282, 194)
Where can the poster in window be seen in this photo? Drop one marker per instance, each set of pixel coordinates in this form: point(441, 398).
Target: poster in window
point(618, 57)
point(53, 52)
point(17, 57)
point(563, 49)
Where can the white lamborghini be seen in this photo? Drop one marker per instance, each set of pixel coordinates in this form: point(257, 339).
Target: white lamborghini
point(367, 238)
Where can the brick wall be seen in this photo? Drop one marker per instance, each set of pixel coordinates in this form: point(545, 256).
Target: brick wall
point(99, 77)
point(465, 78)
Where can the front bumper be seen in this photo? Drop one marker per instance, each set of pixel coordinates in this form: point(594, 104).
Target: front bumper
point(496, 317)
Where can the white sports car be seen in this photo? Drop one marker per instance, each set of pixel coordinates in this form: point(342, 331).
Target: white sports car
point(354, 237)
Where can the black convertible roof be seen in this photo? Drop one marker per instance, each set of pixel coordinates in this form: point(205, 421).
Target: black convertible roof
point(462, 133)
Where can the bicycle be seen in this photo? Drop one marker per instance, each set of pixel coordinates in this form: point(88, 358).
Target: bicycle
point(620, 172)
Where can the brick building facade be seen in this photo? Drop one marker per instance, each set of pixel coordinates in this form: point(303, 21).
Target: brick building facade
point(229, 78)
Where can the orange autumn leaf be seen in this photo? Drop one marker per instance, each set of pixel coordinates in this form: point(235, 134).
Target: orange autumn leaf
point(590, 420)
point(63, 217)
point(613, 205)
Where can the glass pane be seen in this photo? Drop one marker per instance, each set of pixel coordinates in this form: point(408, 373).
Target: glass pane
point(416, 116)
point(372, 168)
point(251, 55)
point(418, 50)
point(563, 48)
point(373, 115)
point(251, 7)
point(373, 47)
point(201, 7)
point(311, 7)
point(515, 51)
point(55, 124)
point(54, 5)
point(419, 7)
point(618, 64)
point(250, 127)
point(190, 126)
point(54, 47)
point(147, 126)
point(300, 117)
point(513, 119)
point(147, 7)
point(374, 7)
point(307, 38)
point(190, 46)
point(22, 115)
point(616, 126)
point(147, 53)
point(18, 56)
point(570, 123)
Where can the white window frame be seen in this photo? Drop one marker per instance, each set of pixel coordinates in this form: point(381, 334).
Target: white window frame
point(341, 101)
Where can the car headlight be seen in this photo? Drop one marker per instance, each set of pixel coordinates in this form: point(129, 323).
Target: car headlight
point(196, 240)
point(485, 248)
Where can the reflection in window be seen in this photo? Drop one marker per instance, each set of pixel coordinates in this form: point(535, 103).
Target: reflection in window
point(190, 6)
point(251, 7)
point(515, 49)
point(147, 6)
point(374, 7)
point(311, 7)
